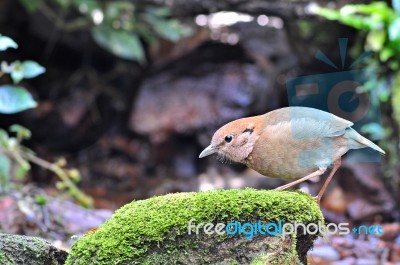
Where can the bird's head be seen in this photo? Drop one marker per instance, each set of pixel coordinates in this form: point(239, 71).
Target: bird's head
point(234, 141)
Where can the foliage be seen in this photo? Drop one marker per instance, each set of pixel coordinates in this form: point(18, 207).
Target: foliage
point(14, 98)
point(15, 161)
point(382, 26)
point(382, 23)
point(6, 42)
point(15, 158)
point(117, 26)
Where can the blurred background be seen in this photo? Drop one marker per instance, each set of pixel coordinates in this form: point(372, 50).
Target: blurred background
point(105, 102)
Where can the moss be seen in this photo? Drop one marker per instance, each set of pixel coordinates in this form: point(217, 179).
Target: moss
point(33, 244)
point(138, 230)
point(3, 258)
point(16, 249)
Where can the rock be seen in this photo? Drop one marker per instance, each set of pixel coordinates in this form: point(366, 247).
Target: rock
point(203, 89)
point(335, 201)
point(56, 219)
point(165, 51)
point(368, 262)
point(365, 250)
point(325, 252)
point(307, 36)
point(346, 261)
point(357, 194)
point(361, 209)
point(15, 249)
point(370, 196)
point(390, 231)
point(268, 46)
point(155, 231)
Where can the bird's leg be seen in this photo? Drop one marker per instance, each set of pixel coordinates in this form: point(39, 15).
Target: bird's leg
point(336, 165)
point(319, 172)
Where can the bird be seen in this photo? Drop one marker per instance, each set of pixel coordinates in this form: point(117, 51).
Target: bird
point(291, 143)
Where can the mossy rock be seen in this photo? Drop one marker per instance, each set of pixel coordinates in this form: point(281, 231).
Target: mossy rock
point(16, 249)
point(155, 231)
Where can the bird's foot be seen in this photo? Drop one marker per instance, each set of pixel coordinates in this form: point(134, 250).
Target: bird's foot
point(319, 172)
point(317, 199)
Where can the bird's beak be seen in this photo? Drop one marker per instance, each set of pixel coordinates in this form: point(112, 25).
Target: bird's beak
point(209, 150)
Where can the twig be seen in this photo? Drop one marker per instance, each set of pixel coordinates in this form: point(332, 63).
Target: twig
point(73, 189)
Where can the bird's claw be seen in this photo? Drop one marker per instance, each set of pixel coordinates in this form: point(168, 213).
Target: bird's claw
point(317, 199)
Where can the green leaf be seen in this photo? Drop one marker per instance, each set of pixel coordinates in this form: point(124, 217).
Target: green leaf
point(41, 199)
point(346, 17)
point(376, 39)
point(5, 166)
point(371, 16)
point(394, 29)
point(361, 22)
point(32, 69)
point(159, 11)
point(374, 129)
point(4, 138)
point(394, 65)
point(327, 13)
point(6, 42)
point(386, 53)
point(375, 8)
point(17, 73)
point(21, 171)
point(64, 4)
point(21, 131)
point(395, 98)
point(115, 10)
point(86, 5)
point(121, 43)
point(31, 5)
point(26, 69)
point(396, 5)
point(168, 29)
point(14, 99)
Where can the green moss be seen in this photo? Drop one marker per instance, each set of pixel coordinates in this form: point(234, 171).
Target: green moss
point(133, 232)
point(3, 258)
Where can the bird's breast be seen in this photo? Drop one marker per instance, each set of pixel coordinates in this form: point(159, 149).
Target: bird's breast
point(278, 154)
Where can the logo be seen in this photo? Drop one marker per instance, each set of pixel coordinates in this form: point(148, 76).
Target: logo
point(249, 230)
point(340, 92)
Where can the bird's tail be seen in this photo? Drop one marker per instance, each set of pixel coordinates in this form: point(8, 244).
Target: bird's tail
point(361, 141)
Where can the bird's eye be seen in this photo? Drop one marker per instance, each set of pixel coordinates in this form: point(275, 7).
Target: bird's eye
point(228, 138)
